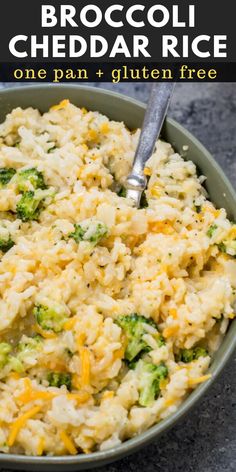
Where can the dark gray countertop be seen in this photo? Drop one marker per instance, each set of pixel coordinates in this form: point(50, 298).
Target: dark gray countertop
point(206, 440)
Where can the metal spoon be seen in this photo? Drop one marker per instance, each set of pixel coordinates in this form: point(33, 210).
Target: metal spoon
point(153, 120)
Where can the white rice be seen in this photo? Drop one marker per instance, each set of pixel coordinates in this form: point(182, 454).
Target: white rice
point(158, 261)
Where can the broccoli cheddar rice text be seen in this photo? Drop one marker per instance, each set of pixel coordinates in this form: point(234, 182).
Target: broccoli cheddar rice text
point(109, 315)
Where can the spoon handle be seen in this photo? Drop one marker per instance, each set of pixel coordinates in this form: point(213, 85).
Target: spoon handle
point(158, 103)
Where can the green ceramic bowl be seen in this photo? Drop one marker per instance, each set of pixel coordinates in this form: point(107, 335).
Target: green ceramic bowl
point(121, 108)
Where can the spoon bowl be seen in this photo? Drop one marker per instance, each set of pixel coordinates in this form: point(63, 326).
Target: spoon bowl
point(158, 103)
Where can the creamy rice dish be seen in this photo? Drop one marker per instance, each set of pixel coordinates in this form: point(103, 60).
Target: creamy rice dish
point(109, 315)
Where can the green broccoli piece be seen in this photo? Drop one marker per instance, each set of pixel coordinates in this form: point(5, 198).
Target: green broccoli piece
point(6, 243)
point(16, 144)
point(5, 350)
point(200, 352)
point(51, 149)
point(189, 355)
point(68, 352)
point(57, 379)
point(211, 230)
point(186, 355)
point(222, 247)
point(6, 175)
point(30, 179)
point(31, 203)
point(89, 230)
point(28, 345)
point(134, 329)
point(198, 208)
point(77, 234)
point(122, 192)
point(150, 376)
point(228, 247)
point(143, 201)
point(50, 318)
point(15, 364)
point(5, 358)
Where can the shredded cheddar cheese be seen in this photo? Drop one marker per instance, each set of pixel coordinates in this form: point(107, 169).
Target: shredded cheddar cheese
point(29, 394)
point(43, 333)
point(197, 380)
point(41, 446)
point(80, 397)
point(173, 313)
point(104, 128)
point(161, 227)
point(60, 105)
point(108, 395)
point(54, 365)
point(14, 376)
point(92, 134)
point(20, 423)
point(147, 171)
point(85, 366)
point(170, 331)
point(76, 382)
point(209, 208)
point(163, 383)
point(119, 354)
point(170, 401)
point(155, 191)
point(68, 443)
point(69, 324)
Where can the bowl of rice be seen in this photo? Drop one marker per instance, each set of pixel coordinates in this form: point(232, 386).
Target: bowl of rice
point(114, 320)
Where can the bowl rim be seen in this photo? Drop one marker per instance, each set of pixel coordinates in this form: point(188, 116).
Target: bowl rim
point(131, 445)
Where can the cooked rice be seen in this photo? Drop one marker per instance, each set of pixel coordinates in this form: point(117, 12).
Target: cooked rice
point(172, 262)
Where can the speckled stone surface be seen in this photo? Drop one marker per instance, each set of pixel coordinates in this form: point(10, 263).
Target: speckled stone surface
point(206, 440)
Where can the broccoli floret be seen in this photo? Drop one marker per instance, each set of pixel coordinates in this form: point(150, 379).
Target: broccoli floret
point(51, 149)
point(30, 179)
point(6, 242)
point(122, 192)
point(222, 247)
point(134, 329)
point(15, 364)
point(211, 230)
point(198, 208)
point(6, 175)
point(31, 203)
point(28, 207)
point(186, 355)
point(16, 144)
point(57, 379)
point(28, 345)
point(150, 376)
point(6, 359)
point(50, 318)
point(89, 230)
point(77, 234)
point(200, 352)
point(189, 355)
point(228, 247)
point(68, 352)
point(143, 201)
point(5, 350)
